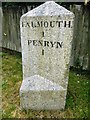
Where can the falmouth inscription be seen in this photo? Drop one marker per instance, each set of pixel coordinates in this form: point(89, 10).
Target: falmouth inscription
point(46, 24)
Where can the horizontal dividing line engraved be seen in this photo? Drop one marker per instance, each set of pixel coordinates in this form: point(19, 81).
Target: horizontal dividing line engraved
point(45, 43)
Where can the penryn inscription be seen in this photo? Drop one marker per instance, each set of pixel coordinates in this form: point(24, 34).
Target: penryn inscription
point(45, 43)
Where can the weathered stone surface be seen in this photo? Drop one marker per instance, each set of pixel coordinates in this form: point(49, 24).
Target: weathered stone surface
point(37, 92)
point(37, 82)
point(46, 36)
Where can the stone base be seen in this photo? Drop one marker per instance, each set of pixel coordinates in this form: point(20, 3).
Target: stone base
point(38, 93)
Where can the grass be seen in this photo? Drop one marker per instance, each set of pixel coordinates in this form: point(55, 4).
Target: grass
point(77, 94)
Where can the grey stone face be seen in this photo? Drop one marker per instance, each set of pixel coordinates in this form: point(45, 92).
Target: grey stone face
point(38, 93)
point(46, 37)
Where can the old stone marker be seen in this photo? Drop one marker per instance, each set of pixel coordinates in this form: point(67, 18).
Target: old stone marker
point(46, 37)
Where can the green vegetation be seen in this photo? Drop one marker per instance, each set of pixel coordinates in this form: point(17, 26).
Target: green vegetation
point(77, 94)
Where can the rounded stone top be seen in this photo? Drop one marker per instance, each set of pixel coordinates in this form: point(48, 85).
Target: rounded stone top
point(49, 8)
